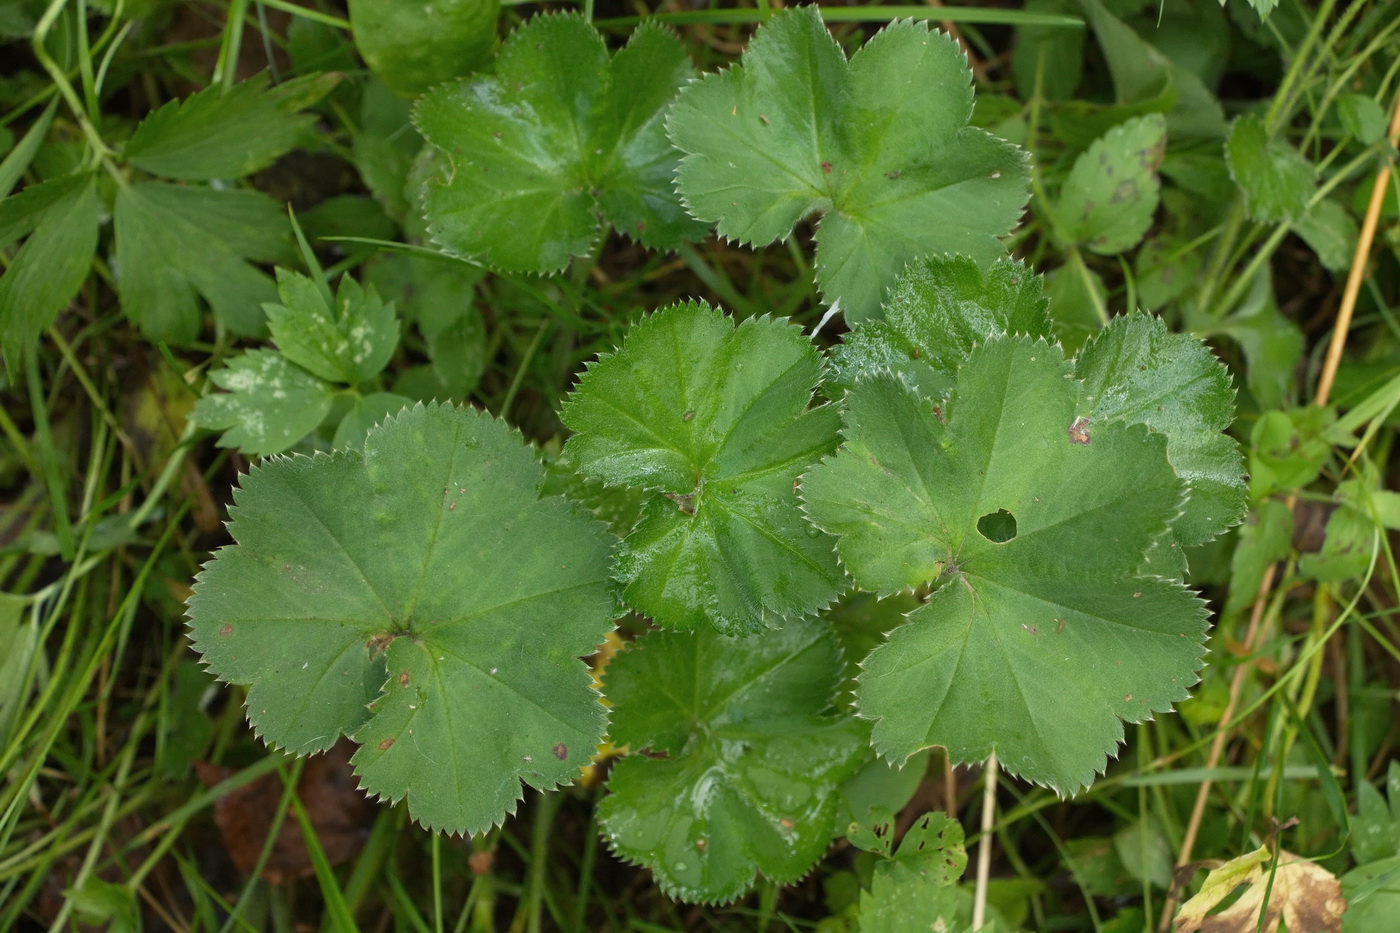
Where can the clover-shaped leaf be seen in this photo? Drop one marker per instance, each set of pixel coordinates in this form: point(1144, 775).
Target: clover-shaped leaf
point(880, 145)
point(752, 766)
point(713, 420)
point(558, 137)
point(422, 599)
point(1041, 638)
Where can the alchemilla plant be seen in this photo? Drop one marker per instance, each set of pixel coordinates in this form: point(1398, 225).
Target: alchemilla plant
point(482, 466)
point(423, 591)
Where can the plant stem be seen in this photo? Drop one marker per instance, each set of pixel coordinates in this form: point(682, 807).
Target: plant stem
point(539, 858)
point(436, 847)
point(984, 845)
point(524, 366)
point(1358, 267)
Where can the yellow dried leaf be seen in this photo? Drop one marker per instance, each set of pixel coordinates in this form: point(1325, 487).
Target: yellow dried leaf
point(1304, 895)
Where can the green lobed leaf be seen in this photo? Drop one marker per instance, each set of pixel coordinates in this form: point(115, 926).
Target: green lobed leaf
point(422, 599)
point(61, 217)
point(1276, 180)
point(348, 343)
point(910, 898)
point(934, 836)
point(753, 762)
point(175, 243)
point(561, 137)
point(1111, 194)
point(412, 47)
point(879, 145)
point(875, 833)
point(916, 888)
point(1038, 646)
point(1135, 372)
point(1290, 449)
point(713, 420)
point(218, 132)
point(268, 404)
point(935, 839)
point(1263, 7)
point(938, 310)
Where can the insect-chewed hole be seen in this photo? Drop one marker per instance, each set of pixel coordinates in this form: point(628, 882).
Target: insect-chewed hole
point(998, 526)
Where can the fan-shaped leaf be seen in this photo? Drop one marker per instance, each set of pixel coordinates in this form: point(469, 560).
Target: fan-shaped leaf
point(752, 769)
point(713, 420)
point(558, 137)
point(1034, 519)
point(879, 144)
point(937, 311)
point(422, 599)
point(1134, 370)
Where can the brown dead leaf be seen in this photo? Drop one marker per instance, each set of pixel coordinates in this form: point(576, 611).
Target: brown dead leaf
point(1304, 895)
point(155, 405)
point(338, 812)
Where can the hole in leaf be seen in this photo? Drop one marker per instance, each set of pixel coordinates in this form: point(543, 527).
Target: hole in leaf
point(998, 526)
